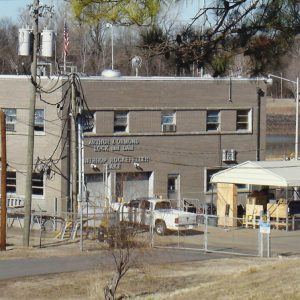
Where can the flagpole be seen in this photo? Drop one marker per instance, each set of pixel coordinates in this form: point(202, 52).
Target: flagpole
point(65, 58)
point(66, 45)
point(65, 63)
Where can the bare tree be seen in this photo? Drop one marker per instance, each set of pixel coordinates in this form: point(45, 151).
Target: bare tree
point(9, 61)
point(261, 30)
point(122, 241)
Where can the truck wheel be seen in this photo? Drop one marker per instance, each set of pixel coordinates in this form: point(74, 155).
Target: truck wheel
point(160, 228)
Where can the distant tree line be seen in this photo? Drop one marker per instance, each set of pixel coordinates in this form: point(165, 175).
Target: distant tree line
point(225, 38)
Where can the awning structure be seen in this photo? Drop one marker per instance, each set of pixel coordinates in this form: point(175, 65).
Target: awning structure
point(270, 173)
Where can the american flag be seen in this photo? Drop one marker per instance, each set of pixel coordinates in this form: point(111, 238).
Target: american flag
point(66, 39)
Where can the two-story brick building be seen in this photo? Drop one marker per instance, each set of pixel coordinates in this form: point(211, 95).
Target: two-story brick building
point(48, 192)
point(151, 136)
point(167, 136)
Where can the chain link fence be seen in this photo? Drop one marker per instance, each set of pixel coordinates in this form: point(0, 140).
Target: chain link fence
point(213, 234)
point(210, 234)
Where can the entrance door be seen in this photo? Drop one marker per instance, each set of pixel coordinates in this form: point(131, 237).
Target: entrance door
point(173, 186)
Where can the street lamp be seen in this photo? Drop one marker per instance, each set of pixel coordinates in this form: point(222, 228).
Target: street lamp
point(297, 108)
point(109, 25)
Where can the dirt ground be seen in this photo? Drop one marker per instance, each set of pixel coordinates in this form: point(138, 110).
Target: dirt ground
point(230, 278)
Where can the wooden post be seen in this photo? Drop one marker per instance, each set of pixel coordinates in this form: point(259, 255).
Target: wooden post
point(3, 183)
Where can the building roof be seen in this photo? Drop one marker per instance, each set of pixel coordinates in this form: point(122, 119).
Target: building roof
point(141, 78)
point(270, 173)
point(171, 78)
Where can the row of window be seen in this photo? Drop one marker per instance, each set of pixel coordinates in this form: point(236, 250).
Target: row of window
point(173, 183)
point(168, 121)
point(11, 119)
point(37, 183)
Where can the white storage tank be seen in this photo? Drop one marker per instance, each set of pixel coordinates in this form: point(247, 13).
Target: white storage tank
point(25, 41)
point(48, 37)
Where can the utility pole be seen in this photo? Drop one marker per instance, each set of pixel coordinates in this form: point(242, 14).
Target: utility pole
point(74, 144)
point(3, 182)
point(30, 145)
point(80, 171)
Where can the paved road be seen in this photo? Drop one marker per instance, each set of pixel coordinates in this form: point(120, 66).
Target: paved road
point(14, 268)
point(282, 242)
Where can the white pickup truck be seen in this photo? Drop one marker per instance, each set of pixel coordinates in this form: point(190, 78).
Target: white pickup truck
point(155, 211)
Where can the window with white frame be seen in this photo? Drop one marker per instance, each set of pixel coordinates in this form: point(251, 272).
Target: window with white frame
point(39, 120)
point(38, 184)
point(213, 120)
point(11, 182)
point(243, 120)
point(121, 121)
point(168, 121)
point(11, 118)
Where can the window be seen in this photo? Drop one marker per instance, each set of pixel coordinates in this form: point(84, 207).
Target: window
point(121, 121)
point(209, 174)
point(39, 120)
point(163, 205)
point(11, 182)
point(88, 121)
point(213, 120)
point(38, 184)
point(167, 118)
point(242, 186)
point(243, 120)
point(11, 117)
point(134, 204)
point(145, 204)
point(168, 121)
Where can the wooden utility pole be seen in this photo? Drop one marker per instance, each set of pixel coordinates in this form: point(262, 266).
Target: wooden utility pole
point(30, 145)
point(3, 182)
point(74, 147)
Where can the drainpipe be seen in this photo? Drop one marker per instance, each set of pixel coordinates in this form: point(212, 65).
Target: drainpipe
point(260, 94)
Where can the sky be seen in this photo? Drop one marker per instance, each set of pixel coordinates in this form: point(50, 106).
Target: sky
point(11, 8)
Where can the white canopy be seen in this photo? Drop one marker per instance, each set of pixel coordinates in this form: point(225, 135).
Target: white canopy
point(271, 173)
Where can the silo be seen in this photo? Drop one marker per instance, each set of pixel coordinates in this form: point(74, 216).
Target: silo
point(25, 41)
point(47, 43)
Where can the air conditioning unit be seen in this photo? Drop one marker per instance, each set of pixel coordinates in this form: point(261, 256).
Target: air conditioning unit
point(229, 155)
point(10, 127)
point(169, 128)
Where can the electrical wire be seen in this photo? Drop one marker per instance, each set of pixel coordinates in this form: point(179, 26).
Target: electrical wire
point(46, 185)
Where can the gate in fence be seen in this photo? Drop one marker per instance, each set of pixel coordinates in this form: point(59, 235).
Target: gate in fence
point(215, 234)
